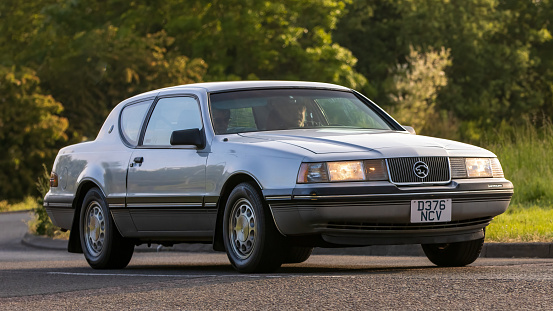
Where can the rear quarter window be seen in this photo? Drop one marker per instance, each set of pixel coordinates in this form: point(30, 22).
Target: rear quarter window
point(132, 117)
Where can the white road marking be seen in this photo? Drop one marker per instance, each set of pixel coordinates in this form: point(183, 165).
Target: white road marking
point(202, 275)
point(167, 275)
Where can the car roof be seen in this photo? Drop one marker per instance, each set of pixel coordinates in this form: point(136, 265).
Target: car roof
point(217, 87)
point(214, 87)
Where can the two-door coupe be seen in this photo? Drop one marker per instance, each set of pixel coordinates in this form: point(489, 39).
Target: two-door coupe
point(267, 170)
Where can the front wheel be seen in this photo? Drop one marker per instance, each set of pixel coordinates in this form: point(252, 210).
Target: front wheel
point(103, 246)
point(453, 254)
point(251, 239)
point(297, 254)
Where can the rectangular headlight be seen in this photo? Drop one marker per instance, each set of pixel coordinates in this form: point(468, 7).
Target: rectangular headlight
point(370, 170)
point(346, 171)
point(479, 167)
point(475, 168)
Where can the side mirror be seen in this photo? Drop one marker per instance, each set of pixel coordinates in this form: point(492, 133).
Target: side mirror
point(193, 137)
point(409, 129)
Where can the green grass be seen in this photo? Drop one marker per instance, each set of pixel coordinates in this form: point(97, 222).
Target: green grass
point(522, 224)
point(526, 155)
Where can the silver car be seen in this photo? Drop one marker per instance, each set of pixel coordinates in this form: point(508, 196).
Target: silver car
point(267, 170)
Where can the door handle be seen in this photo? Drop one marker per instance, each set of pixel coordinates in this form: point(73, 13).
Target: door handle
point(138, 160)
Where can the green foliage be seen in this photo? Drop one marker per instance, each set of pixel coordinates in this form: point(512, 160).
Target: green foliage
point(417, 84)
point(92, 54)
point(500, 69)
point(249, 39)
point(41, 223)
point(522, 224)
point(30, 130)
point(98, 53)
point(525, 154)
point(27, 204)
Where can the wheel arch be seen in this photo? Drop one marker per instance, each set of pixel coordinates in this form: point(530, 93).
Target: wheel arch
point(74, 244)
point(232, 182)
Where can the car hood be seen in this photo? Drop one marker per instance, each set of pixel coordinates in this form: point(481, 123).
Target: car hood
point(385, 143)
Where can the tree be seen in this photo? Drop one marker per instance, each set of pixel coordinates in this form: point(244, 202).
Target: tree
point(500, 69)
point(249, 39)
point(31, 128)
point(417, 84)
point(94, 54)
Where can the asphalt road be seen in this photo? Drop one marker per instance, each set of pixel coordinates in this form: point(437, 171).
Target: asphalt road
point(34, 279)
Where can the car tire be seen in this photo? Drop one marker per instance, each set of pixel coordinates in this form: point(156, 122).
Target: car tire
point(251, 239)
point(102, 244)
point(297, 254)
point(453, 254)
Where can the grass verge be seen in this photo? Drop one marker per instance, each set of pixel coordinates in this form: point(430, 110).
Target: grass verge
point(525, 154)
point(522, 224)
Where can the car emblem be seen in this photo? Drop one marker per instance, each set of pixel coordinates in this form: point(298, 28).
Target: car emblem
point(421, 169)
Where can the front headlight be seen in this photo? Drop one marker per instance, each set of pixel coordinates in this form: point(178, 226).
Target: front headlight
point(476, 168)
point(342, 171)
point(346, 171)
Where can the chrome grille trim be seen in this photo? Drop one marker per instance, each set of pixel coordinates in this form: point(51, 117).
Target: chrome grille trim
point(401, 172)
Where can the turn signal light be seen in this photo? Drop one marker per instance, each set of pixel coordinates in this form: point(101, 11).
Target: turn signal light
point(53, 180)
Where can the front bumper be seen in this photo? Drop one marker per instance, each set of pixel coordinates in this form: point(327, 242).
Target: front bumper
point(379, 213)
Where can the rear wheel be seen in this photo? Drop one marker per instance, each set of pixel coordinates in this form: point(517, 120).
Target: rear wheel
point(453, 254)
point(103, 246)
point(251, 240)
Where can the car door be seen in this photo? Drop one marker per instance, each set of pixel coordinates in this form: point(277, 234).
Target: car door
point(166, 184)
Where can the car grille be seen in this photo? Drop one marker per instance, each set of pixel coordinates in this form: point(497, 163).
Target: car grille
point(408, 226)
point(402, 170)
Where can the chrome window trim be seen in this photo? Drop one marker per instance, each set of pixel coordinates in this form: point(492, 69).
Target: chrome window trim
point(151, 100)
point(151, 111)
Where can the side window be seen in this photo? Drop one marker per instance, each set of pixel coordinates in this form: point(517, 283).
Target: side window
point(131, 119)
point(172, 114)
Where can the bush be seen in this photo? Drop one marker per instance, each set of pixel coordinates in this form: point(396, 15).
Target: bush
point(41, 223)
point(28, 203)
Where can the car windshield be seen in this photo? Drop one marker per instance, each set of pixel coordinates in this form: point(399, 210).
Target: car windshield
point(284, 109)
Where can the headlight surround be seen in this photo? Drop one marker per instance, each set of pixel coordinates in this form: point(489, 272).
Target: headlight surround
point(341, 171)
point(476, 168)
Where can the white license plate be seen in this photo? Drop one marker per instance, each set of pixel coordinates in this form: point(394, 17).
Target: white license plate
point(431, 210)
